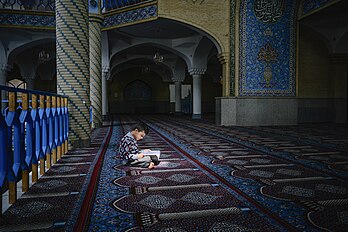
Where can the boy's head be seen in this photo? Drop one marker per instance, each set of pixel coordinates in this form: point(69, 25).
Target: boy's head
point(140, 130)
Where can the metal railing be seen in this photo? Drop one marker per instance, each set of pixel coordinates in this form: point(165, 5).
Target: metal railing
point(34, 129)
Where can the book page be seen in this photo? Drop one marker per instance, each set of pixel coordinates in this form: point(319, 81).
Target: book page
point(151, 152)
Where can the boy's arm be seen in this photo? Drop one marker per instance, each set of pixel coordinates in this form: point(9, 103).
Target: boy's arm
point(128, 150)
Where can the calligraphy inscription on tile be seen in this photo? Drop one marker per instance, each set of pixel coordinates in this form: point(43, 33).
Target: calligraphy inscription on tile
point(268, 11)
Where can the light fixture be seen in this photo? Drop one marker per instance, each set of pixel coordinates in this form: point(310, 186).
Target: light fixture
point(157, 58)
point(43, 56)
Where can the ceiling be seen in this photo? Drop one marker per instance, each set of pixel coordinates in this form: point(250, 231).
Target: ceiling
point(331, 18)
point(331, 22)
point(159, 29)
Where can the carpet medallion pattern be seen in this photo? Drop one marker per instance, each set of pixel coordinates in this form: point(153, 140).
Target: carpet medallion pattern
point(178, 195)
point(210, 178)
point(285, 175)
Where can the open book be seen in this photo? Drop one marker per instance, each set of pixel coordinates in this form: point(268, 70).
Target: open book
point(151, 152)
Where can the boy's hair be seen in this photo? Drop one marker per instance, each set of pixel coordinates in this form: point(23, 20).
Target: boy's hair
point(141, 126)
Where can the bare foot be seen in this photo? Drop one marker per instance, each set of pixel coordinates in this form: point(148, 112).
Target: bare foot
point(152, 165)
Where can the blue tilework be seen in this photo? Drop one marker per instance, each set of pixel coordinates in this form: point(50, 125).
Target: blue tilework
point(256, 34)
point(94, 6)
point(116, 19)
point(130, 16)
point(28, 20)
point(232, 45)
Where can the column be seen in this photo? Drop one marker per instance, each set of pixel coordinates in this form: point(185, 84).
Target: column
point(29, 79)
point(4, 68)
point(227, 86)
point(339, 80)
point(105, 92)
point(30, 84)
point(177, 97)
point(95, 23)
point(196, 92)
point(72, 44)
point(3, 72)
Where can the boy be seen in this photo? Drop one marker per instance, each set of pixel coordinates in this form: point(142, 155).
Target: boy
point(128, 148)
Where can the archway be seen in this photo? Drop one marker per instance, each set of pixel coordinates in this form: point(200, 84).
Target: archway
point(138, 91)
point(322, 63)
point(133, 48)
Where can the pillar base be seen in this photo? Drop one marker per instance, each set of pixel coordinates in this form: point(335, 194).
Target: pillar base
point(105, 117)
point(253, 111)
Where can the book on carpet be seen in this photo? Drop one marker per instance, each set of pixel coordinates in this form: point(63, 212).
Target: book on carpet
point(152, 152)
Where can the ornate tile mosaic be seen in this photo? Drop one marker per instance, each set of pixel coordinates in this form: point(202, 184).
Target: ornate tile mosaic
point(48, 20)
point(130, 16)
point(23, 20)
point(267, 48)
point(232, 45)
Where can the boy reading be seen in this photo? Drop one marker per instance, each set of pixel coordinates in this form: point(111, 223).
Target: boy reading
point(128, 148)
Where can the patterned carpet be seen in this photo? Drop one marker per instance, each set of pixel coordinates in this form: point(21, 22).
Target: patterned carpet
point(289, 178)
point(52, 203)
point(178, 195)
point(210, 178)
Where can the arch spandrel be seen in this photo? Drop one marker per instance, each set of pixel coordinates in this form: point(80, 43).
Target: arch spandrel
point(207, 16)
